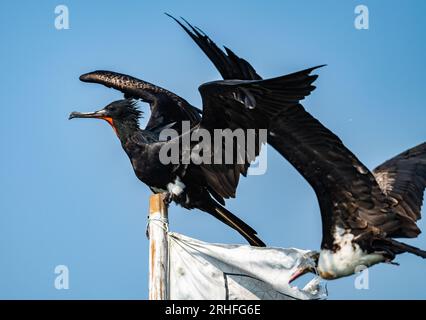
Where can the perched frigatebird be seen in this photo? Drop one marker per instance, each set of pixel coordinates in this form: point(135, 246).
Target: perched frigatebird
point(228, 104)
point(361, 211)
point(169, 111)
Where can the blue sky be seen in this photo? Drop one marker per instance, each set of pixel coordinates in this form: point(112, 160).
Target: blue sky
point(68, 193)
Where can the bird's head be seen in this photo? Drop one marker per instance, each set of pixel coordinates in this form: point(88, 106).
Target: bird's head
point(121, 115)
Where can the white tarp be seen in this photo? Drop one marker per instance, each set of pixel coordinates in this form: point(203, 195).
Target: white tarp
point(205, 271)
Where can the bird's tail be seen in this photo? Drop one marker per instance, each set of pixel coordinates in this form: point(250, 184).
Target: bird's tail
point(227, 217)
point(400, 247)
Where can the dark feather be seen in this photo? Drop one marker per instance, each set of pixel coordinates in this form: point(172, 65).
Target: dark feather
point(403, 179)
point(229, 65)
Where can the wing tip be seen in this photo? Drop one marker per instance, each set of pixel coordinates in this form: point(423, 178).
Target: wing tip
point(169, 15)
point(309, 70)
point(90, 76)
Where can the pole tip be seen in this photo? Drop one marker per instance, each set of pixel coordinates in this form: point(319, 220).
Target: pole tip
point(157, 204)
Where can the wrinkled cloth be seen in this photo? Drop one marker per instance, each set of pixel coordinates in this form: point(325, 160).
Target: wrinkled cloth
point(206, 271)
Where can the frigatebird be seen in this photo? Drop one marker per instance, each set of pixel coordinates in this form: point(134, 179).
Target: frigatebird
point(227, 104)
point(169, 111)
point(361, 211)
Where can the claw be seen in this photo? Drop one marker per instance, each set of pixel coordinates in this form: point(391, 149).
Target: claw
point(392, 263)
point(168, 198)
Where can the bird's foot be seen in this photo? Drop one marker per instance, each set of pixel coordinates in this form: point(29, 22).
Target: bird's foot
point(168, 198)
point(392, 263)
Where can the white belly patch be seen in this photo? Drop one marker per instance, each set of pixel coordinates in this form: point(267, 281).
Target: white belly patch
point(348, 259)
point(176, 187)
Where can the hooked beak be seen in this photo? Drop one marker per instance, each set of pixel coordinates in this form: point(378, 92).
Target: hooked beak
point(298, 273)
point(97, 114)
point(309, 266)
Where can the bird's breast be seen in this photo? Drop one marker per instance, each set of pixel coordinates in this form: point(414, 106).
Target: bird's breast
point(151, 172)
point(347, 259)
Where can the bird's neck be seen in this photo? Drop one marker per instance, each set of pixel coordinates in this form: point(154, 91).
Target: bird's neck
point(125, 128)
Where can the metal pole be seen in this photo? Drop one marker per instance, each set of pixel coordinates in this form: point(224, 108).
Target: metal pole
point(158, 248)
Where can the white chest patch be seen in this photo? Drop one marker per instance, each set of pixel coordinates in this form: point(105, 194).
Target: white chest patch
point(347, 259)
point(176, 187)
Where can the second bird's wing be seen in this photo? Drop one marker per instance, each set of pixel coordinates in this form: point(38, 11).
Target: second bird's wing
point(403, 179)
point(229, 65)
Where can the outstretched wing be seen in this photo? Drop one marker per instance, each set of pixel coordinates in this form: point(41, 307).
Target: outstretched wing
point(239, 104)
point(229, 65)
point(403, 179)
point(347, 191)
point(167, 108)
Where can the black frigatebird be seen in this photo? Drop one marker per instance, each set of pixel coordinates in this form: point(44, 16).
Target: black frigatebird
point(361, 211)
point(228, 104)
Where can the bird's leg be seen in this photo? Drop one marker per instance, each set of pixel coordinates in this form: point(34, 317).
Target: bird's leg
point(168, 198)
point(391, 262)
